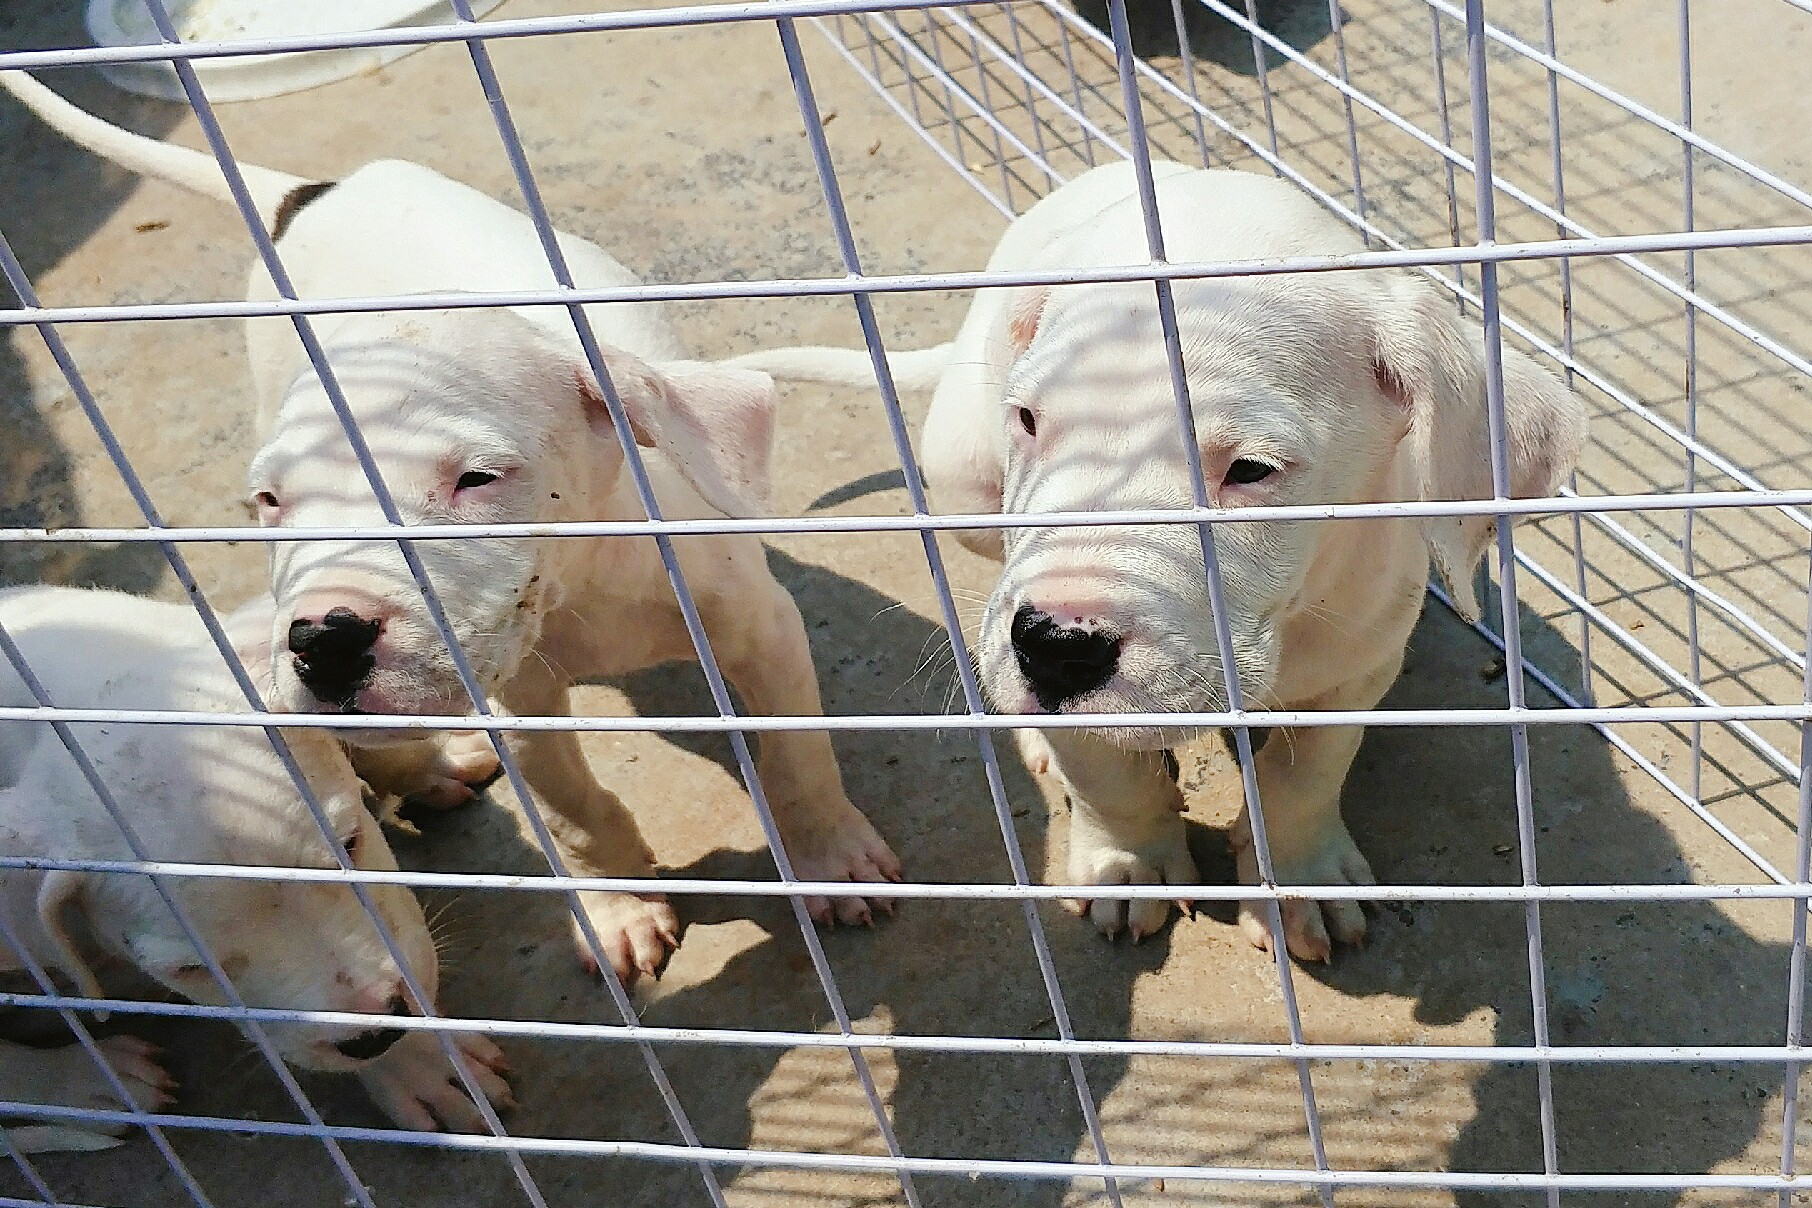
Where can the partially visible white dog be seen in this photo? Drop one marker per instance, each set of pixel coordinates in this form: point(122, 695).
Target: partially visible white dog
point(494, 416)
point(200, 795)
point(1318, 388)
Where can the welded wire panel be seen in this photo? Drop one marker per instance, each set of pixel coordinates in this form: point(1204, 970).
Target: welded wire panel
point(1642, 626)
point(1586, 974)
point(1405, 123)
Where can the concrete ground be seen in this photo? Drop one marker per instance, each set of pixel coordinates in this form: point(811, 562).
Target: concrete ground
point(682, 152)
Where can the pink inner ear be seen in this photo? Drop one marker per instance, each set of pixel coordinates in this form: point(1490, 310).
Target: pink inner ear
point(591, 396)
point(1393, 386)
point(1023, 318)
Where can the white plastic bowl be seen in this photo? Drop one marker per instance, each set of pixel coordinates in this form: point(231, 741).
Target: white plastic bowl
point(248, 77)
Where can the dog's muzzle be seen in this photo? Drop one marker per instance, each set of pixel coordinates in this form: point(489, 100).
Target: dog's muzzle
point(333, 656)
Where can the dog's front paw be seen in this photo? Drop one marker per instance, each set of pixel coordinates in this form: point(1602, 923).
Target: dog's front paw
point(637, 932)
point(1161, 857)
point(463, 764)
point(849, 850)
point(1311, 928)
point(417, 1087)
point(68, 1077)
point(441, 771)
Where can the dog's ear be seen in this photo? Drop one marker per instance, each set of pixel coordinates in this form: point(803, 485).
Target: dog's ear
point(61, 892)
point(715, 421)
point(965, 455)
point(1432, 367)
point(1024, 313)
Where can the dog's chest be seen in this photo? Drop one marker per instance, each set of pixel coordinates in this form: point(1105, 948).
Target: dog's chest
point(1355, 611)
point(611, 610)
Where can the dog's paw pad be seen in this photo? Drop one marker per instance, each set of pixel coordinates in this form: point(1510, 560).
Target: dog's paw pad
point(471, 759)
point(134, 1063)
point(1036, 751)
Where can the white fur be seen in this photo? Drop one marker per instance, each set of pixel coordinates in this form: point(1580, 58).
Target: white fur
point(1358, 386)
point(510, 393)
point(196, 794)
point(917, 370)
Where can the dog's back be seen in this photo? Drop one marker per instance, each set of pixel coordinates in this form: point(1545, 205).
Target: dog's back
point(397, 228)
point(78, 644)
point(1095, 220)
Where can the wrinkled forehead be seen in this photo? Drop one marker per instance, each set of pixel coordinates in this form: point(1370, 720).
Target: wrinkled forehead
point(1255, 360)
point(413, 403)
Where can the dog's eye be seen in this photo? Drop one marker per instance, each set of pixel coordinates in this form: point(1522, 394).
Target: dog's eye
point(351, 844)
point(267, 499)
point(472, 479)
point(1245, 471)
point(1028, 421)
point(189, 972)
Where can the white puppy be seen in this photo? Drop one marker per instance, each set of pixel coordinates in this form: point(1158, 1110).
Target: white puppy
point(208, 795)
point(494, 416)
point(1337, 387)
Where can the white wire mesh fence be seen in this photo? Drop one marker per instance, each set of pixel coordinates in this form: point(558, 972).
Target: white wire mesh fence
point(1663, 603)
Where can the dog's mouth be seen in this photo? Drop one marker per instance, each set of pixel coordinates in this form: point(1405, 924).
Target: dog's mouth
point(1132, 737)
point(351, 1050)
point(346, 703)
point(1011, 691)
point(330, 1057)
point(367, 1046)
point(388, 694)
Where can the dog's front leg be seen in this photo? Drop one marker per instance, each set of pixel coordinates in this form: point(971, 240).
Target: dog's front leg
point(595, 833)
point(1300, 776)
point(1126, 828)
point(765, 654)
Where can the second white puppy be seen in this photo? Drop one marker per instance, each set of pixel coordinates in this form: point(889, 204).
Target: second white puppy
point(494, 416)
point(200, 795)
point(1314, 388)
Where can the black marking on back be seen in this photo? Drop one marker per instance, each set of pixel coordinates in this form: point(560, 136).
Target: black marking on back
point(295, 201)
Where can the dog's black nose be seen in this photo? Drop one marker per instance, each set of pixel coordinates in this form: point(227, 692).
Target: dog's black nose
point(333, 655)
point(374, 1043)
point(1061, 661)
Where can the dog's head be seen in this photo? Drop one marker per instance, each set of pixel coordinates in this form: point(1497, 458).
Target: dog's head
point(1337, 388)
point(219, 795)
point(470, 416)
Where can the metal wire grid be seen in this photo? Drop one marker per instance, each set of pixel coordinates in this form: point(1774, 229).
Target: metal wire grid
point(994, 115)
point(1029, 93)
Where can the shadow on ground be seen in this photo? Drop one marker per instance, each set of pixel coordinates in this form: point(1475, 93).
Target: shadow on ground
point(1637, 973)
point(1300, 24)
point(56, 196)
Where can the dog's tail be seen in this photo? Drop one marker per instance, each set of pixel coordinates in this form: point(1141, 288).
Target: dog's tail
point(919, 369)
point(192, 170)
